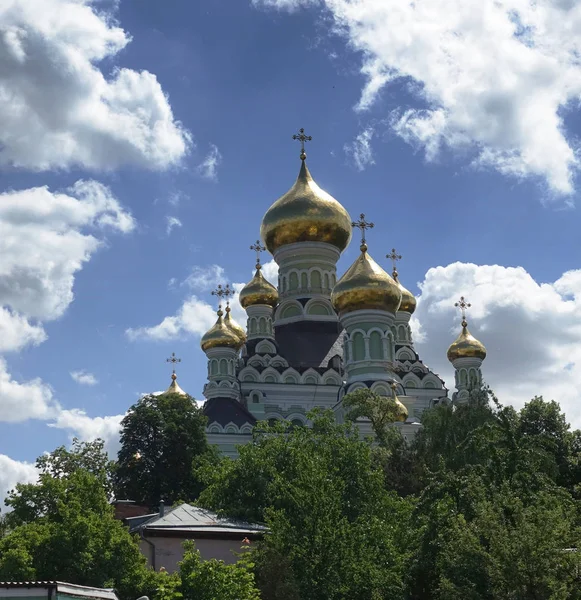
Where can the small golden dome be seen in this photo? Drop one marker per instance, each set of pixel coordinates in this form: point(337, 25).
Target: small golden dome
point(365, 285)
point(306, 213)
point(231, 323)
point(466, 346)
point(401, 412)
point(408, 300)
point(220, 336)
point(258, 291)
point(174, 387)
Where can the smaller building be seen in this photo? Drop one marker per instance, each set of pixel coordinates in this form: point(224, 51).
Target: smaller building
point(163, 534)
point(52, 590)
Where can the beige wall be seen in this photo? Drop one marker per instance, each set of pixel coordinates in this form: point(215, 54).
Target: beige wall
point(169, 551)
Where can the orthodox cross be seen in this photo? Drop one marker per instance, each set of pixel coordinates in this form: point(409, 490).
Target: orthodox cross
point(462, 304)
point(223, 292)
point(394, 257)
point(302, 139)
point(173, 359)
point(258, 248)
point(363, 225)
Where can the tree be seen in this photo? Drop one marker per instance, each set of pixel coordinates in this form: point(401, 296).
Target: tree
point(210, 579)
point(343, 535)
point(163, 442)
point(63, 528)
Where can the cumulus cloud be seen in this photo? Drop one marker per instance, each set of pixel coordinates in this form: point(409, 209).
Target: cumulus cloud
point(21, 401)
point(13, 472)
point(172, 223)
point(494, 79)
point(532, 330)
point(205, 278)
point(270, 271)
point(58, 109)
point(84, 378)
point(36, 223)
point(88, 429)
point(208, 168)
point(360, 149)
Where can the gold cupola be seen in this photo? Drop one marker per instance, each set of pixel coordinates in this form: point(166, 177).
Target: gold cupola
point(306, 213)
point(220, 336)
point(174, 387)
point(408, 300)
point(258, 290)
point(465, 345)
point(231, 324)
point(365, 285)
point(401, 412)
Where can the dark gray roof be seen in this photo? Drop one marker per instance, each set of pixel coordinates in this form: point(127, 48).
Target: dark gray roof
point(308, 343)
point(187, 518)
point(227, 410)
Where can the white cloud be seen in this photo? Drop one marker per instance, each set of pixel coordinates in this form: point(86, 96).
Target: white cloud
point(84, 378)
point(360, 149)
point(13, 472)
point(35, 224)
point(208, 168)
point(494, 78)
point(172, 222)
point(205, 278)
point(58, 109)
point(87, 429)
point(532, 330)
point(21, 401)
point(270, 271)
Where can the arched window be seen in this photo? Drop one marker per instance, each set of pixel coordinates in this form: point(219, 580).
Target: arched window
point(214, 367)
point(290, 311)
point(311, 380)
point(262, 325)
point(270, 379)
point(223, 366)
point(316, 280)
point(304, 281)
point(284, 284)
point(401, 330)
point(463, 377)
point(297, 423)
point(358, 346)
point(293, 281)
point(326, 281)
point(252, 325)
point(375, 345)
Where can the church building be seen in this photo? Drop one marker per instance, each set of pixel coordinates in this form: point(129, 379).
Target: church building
point(317, 335)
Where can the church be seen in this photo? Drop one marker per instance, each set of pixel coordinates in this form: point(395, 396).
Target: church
point(317, 335)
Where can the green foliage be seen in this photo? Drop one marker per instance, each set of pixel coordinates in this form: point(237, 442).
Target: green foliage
point(343, 535)
point(63, 528)
point(163, 443)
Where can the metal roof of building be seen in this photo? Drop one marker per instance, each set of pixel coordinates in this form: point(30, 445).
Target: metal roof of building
point(70, 589)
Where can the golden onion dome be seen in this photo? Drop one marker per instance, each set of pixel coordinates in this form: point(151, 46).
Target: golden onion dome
point(365, 285)
point(466, 346)
point(231, 323)
point(221, 336)
point(174, 387)
point(258, 291)
point(401, 412)
point(408, 300)
point(306, 213)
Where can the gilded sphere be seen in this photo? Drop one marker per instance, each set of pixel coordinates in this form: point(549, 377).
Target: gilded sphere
point(306, 213)
point(466, 346)
point(220, 336)
point(258, 291)
point(366, 285)
point(401, 412)
point(231, 323)
point(408, 300)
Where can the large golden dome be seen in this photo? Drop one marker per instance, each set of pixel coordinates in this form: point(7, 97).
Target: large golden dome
point(231, 323)
point(258, 291)
point(306, 213)
point(466, 346)
point(408, 300)
point(366, 285)
point(220, 336)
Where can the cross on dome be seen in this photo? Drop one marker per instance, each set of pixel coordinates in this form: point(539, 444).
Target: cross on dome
point(258, 248)
point(302, 139)
point(363, 225)
point(223, 292)
point(394, 257)
point(463, 304)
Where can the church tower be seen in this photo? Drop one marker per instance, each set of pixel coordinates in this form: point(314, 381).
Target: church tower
point(367, 300)
point(466, 354)
point(403, 332)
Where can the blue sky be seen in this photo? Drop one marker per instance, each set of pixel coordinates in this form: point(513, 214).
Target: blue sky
point(461, 147)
